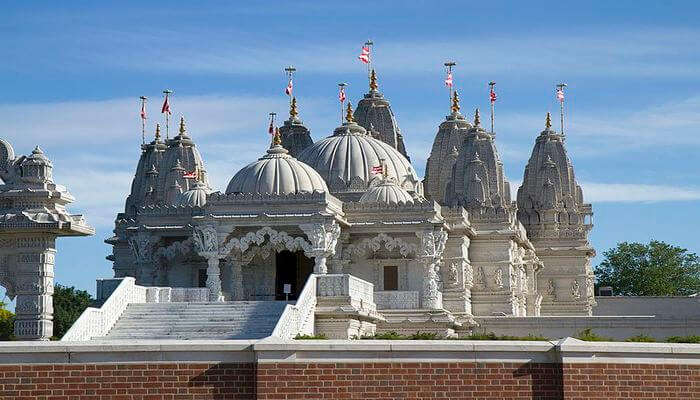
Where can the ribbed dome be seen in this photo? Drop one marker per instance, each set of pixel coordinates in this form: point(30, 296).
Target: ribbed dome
point(277, 173)
point(345, 160)
point(387, 192)
point(195, 197)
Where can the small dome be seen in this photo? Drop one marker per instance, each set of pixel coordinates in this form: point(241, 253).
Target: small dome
point(277, 173)
point(195, 197)
point(346, 159)
point(387, 192)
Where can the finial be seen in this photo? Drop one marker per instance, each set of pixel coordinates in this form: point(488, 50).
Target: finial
point(477, 118)
point(277, 138)
point(293, 113)
point(183, 130)
point(37, 150)
point(373, 81)
point(455, 102)
point(548, 122)
point(348, 115)
point(157, 132)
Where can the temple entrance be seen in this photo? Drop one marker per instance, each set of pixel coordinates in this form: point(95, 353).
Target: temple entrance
point(292, 269)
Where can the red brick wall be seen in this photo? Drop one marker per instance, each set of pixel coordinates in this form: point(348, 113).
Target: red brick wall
point(154, 381)
point(631, 381)
point(212, 381)
point(409, 381)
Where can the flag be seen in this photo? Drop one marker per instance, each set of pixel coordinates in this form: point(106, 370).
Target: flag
point(289, 88)
point(379, 169)
point(492, 96)
point(143, 110)
point(560, 94)
point(364, 55)
point(190, 175)
point(341, 95)
point(271, 129)
point(166, 106)
point(448, 80)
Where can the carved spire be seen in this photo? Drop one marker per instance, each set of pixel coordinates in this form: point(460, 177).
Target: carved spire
point(348, 115)
point(455, 102)
point(157, 132)
point(183, 128)
point(373, 81)
point(293, 113)
point(477, 118)
point(277, 138)
point(548, 122)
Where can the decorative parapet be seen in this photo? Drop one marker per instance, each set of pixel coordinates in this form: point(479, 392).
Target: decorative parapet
point(397, 300)
point(117, 295)
point(298, 319)
point(360, 292)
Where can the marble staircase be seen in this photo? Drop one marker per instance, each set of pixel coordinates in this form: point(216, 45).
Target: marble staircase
point(185, 321)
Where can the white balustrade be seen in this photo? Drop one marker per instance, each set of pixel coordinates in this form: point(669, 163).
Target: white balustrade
point(298, 319)
point(396, 300)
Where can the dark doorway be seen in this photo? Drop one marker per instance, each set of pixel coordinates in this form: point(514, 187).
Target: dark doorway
point(293, 269)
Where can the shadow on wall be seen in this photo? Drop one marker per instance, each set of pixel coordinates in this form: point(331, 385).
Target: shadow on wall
point(224, 381)
point(546, 379)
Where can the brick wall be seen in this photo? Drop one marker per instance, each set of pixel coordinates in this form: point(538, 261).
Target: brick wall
point(151, 381)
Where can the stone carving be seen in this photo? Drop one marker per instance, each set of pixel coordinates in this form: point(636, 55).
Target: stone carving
point(374, 244)
point(205, 240)
point(258, 238)
point(432, 243)
point(142, 246)
point(175, 250)
point(498, 278)
point(551, 288)
point(397, 300)
point(453, 274)
point(575, 289)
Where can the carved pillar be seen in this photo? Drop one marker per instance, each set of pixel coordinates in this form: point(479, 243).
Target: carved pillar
point(237, 280)
point(142, 247)
point(34, 276)
point(323, 238)
point(206, 244)
point(430, 253)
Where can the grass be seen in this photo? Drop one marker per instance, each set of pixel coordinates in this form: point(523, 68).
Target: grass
point(641, 338)
point(684, 339)
point(310, 337)
point(588, 336)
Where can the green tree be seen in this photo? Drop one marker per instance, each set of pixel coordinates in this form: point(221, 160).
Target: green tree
point(7, 323)
point(68, 304)
point(654, 269)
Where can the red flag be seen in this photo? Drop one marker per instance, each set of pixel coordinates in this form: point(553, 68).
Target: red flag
point(560, 95)
point(492, 96)
point(143, 110)
point(166, 106)
point(190, 175)
point(271, 129)
point(289, 88)
point(341, 95)
point(364, 55)
point(448, 80)
point(379, 169)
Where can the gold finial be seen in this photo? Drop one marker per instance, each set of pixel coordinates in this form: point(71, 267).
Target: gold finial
point(277, 139)
point(477, 118)
point(293, 113)
point(183, 129)
point(455, 102)
point(548, 122)
point(373, 81)
point(200, 173)
point(157, 132)
point(348, 116)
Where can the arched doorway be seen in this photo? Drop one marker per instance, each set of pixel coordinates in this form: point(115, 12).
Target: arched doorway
point(292, 269)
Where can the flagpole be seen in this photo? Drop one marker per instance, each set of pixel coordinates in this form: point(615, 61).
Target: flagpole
point(561, 87)
point(143, 119)
point(493, 104)
point(290, 72)
point(448, 67)
point(167, 114)
point(369, 43)
point(342, 102)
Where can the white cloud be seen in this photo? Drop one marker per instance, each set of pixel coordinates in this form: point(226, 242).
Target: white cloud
point(626, 192)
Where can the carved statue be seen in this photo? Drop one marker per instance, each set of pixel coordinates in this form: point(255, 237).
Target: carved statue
point(498, 278)
point(575, 290)
point(205, 239)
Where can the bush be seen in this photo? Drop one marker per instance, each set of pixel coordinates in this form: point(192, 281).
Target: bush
point(424, 336)
point(588, 336)
point(7, 323)
point(310, 337)
point(684, 339)
point(492, 336)
point(640, 338)
point(68, 304)
point(385, 336)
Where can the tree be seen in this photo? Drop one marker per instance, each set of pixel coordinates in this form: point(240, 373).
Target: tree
point(68, 304)
point(654, 269)
point(7, 323)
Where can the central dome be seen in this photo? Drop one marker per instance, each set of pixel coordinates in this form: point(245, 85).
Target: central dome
point(346, 159)
point(277, 173)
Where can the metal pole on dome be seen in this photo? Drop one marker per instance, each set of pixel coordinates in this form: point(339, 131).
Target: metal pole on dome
point(492, 99)
point(369, 43)
point(167, 93)
point(143, 119)
point(560, 97)
point(290, 70)
point(342, 97)
point(448, 68)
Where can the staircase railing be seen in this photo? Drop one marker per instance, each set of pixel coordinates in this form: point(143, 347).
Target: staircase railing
point(298, 319)
point(97, 322)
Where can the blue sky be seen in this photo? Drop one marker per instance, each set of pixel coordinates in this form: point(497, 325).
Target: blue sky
point(72, 73)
